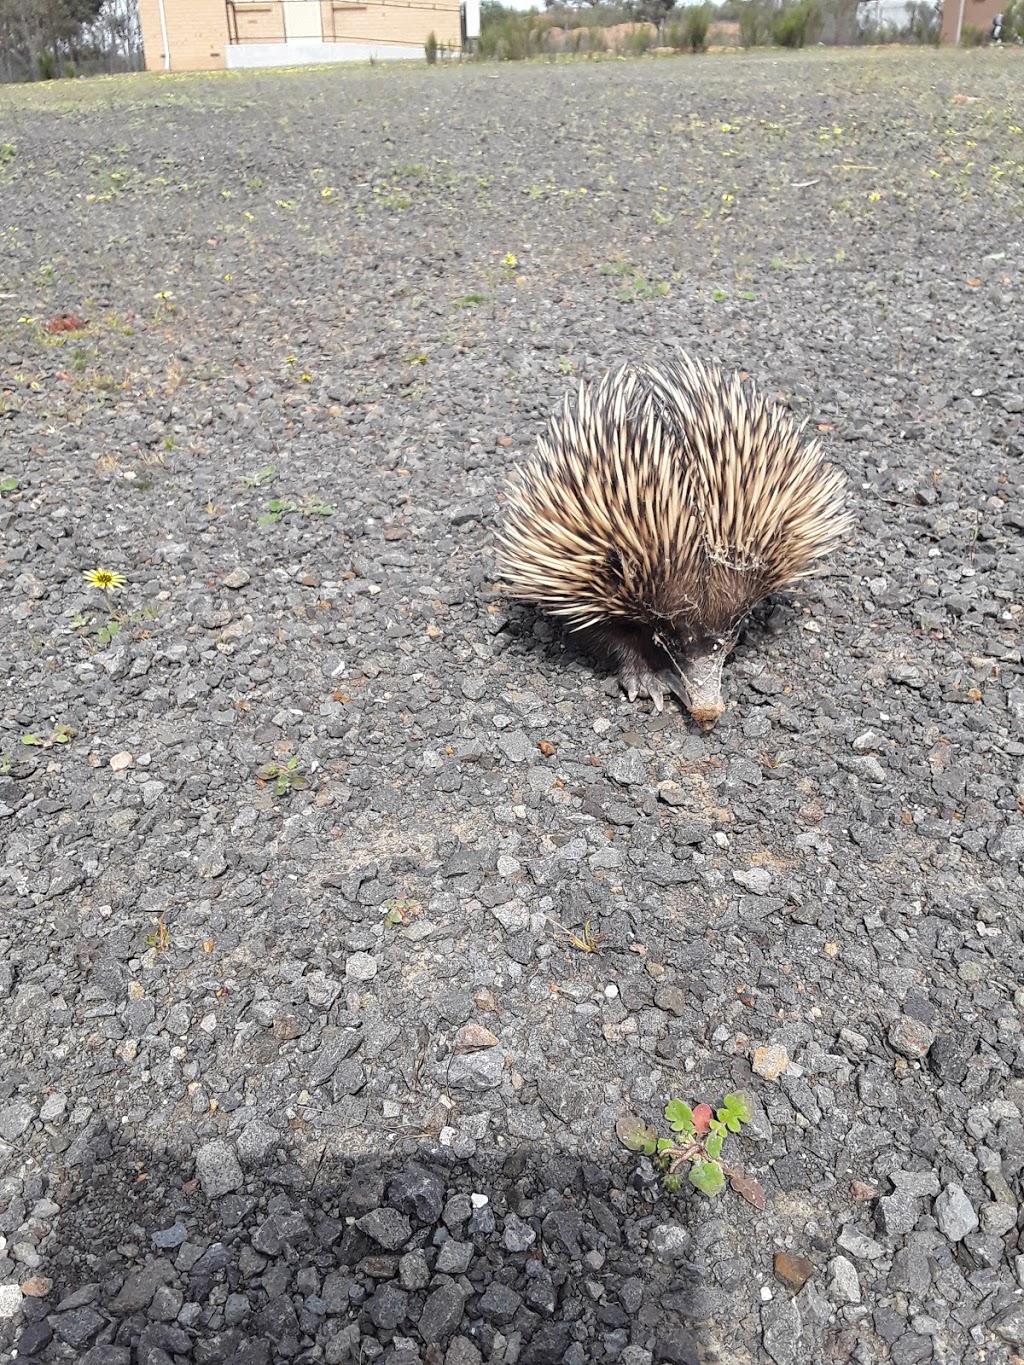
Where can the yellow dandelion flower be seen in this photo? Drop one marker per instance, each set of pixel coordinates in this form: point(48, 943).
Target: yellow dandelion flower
point(104, 579)
point(510, 261)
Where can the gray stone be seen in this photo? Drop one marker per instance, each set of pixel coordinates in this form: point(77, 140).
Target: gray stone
point(844, 1286)
point(563, 1097)
point(499, 1304)
point(517, 1235)
point(669, 1241)
point(920, 1183)
point(781, 1334)
point(441, 1314)
point(955, 1213)
point(349, 1079)
point(166, 1238)
point(388, 1306)
point(77, 1327)
point(343, 1348)
point(15, 1118)
point(35, 1336)
point(756, 880)
point(997, 1219)
point(338, 1045)
point(236, 1310)
point(413, 1271)
point(361, 967)
point(477, 1071)
point(859, 1244)
point(256, 1142)
point(10, 1300)
point(911, 1038)
point(236, 579)
point(1009, 1324)
point(627, 768)
point(898, 1213)
point(454, 1258)
point(138, 1289)
point(985, 1249)
point(911, 1349)
point(217, 1169)
point(387, 1227)
point(417, 1193)
point(166, 1303)
point(335, 1291)
point(632, 1355)
point(53, 1107)
point(461, 1351)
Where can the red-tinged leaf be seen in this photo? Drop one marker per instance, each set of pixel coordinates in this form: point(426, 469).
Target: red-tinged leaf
point(702, 1117)
point(749, 1188)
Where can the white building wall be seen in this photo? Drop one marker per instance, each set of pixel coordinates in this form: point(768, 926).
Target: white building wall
point(309, 52)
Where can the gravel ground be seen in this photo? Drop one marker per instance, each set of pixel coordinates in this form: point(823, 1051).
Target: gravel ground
point(320, 1075)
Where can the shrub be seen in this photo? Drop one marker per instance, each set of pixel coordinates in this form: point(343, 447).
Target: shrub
point(695, 24)
point(970, 36)
point(755, 24)
point(795, 24)
point(430, 48)
point(507, 35)
point(1013, 22)
point(641, 40)
point(47, 64)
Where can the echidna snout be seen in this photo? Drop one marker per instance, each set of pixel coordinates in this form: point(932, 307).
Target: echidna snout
point(653, 662)
point(658, 511)
point(701, 680)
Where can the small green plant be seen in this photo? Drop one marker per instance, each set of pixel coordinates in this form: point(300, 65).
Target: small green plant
point(278, 508)
point(401, 911)
point(430, 48)
point(9, 485)
point(60, 734)
point(698, 1138)
point(587, 940)
point(634, 286)
point(259, 477)
point(469, 300)
point(285, 777)
point(160, 939)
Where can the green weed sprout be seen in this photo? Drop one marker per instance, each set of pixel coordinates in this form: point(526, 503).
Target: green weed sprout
point(699, 1136)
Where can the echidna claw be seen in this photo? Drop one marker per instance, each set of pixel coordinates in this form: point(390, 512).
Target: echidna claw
point(652, 685)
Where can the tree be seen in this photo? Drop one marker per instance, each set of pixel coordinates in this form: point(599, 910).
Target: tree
point(40, 38)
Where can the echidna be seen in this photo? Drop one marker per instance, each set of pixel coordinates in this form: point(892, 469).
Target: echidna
point(658, 511)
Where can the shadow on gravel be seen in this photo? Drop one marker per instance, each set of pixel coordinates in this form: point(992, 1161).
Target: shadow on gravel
point(531, 634)
point(536, 1259)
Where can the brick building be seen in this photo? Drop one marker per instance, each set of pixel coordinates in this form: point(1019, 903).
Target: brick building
point(210, 35)
point(958, 15)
